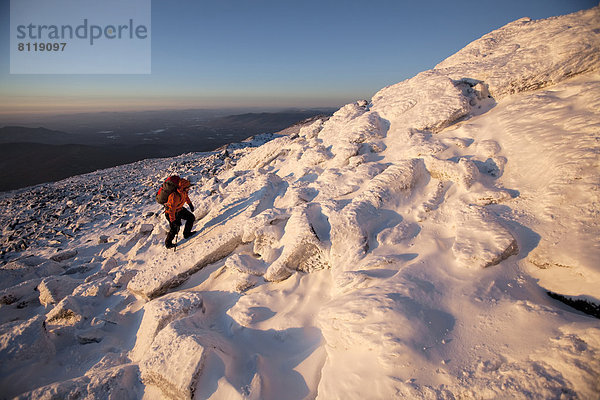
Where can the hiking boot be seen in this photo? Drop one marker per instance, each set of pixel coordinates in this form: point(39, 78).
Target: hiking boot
point(169, 245)
point(188, 235)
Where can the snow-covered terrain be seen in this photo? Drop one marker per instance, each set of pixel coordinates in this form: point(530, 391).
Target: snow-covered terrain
point(402, 248)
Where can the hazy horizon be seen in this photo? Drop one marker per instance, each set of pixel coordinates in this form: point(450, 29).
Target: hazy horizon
point(6, 117)
point(16, 110)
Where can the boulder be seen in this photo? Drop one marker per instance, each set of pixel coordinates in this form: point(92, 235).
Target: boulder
point(55, 288)
point(70, 311)
point(159, 313)
point(64, 255)
point(18, 271)
point(22, 341)
point(481, 241)
point(113, 384)
point(174, 361)
point(22, 290)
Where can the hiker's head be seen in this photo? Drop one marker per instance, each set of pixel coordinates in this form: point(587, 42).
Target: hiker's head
point(184, 185)
point(174, 179)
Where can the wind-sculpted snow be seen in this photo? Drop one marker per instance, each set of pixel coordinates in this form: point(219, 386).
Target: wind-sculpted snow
point(464, 172)
point(358, 334)
point(527, 55)
point(303, 251)
point(428, 102)
point(353, 226)
point(399, 249)
point(361, 131)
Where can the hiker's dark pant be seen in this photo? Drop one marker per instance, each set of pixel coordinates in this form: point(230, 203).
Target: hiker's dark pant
point(189, 222)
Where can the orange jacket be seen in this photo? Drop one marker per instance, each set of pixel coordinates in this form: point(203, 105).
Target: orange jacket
point(176, 201)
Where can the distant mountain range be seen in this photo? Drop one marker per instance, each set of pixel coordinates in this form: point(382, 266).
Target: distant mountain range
point(33, 155)
point(21, 134)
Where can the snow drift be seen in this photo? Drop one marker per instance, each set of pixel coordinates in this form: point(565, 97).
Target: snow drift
point(399, 249)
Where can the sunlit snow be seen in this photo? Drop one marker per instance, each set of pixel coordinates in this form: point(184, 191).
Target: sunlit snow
point(400, 249)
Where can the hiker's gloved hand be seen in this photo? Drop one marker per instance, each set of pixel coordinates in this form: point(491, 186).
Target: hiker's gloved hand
point(191, 208)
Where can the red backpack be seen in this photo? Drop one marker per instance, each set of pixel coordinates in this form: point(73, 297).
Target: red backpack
point(168, 187)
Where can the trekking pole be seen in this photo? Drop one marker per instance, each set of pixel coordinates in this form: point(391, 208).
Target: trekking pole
point(176, 236)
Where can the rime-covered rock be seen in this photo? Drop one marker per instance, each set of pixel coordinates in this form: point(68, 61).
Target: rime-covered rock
point(122, 278)
point(24, 340)
point(64, 255)
point(54, 289)
point(352, 226)
point(171, 271)
point(112, 384)
point(159, 313)
point(464, 172)
point(22, 290)
point(175, 360)
point(70, 311)
point(91, 335)
point(108, 264)
point(359, 127)
point(246, 264)
point(15, 272)
point(428, 102)
point(102, 287)
point(480, 240)
point(302, 251)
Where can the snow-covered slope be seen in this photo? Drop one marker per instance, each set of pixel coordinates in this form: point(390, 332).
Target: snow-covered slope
point(400, 249)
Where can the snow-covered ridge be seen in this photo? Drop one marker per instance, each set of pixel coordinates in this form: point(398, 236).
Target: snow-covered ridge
point(528, 54)
point(399, 249)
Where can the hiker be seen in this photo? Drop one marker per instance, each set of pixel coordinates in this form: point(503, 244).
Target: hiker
point(175, 212)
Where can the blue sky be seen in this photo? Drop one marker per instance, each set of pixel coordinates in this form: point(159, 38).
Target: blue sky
point(263, 53)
